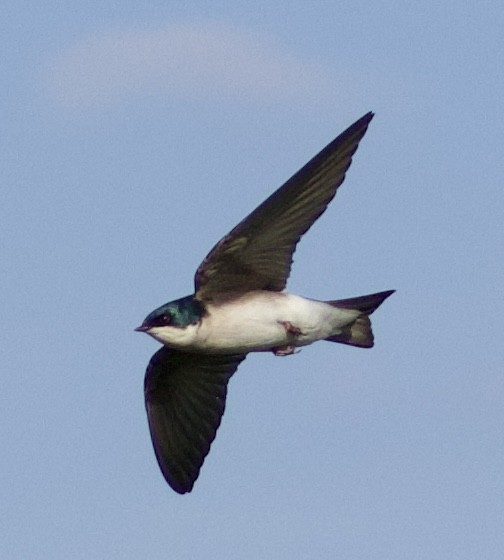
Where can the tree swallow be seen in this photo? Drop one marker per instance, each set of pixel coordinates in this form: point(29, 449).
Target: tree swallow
point(239, 306)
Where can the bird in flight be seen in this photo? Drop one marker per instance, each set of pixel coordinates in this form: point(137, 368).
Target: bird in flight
point(239, 306)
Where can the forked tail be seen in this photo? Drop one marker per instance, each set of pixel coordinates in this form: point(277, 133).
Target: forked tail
point(359, 333)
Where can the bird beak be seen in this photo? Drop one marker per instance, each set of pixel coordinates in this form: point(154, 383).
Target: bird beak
point(142, 328)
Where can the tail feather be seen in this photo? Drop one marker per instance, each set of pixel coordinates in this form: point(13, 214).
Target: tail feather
point(359, 333)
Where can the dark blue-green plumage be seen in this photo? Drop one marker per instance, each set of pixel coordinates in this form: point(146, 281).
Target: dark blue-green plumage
point(178, 313)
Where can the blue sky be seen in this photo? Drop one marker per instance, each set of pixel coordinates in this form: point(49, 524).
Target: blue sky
point(136, 134)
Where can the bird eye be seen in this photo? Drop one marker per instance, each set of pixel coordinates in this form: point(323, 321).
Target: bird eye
point(164, 319)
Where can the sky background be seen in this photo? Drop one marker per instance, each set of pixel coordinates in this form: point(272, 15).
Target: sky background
point(136, 134)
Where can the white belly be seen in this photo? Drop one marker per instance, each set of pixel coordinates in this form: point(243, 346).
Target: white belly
point(255, 322)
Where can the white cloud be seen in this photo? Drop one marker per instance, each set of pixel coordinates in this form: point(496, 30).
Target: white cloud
point(191, 60)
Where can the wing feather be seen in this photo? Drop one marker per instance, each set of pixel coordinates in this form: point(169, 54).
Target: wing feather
point(257, 253)
point(185, 397)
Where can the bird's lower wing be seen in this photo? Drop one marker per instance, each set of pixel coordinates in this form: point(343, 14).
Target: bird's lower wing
point(185, 397)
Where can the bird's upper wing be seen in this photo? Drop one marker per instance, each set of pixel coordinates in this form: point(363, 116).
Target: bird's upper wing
point(257, 253)
point(185, 396)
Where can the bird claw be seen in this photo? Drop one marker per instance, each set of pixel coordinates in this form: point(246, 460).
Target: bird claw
point(285, 350)
point(288, 349)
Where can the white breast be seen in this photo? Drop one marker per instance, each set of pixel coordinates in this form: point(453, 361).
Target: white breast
point(255, 322)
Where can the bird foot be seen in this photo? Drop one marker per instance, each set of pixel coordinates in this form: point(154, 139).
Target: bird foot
point(285, 350)
point(290, 328)
point(288, 349)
